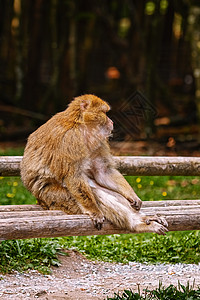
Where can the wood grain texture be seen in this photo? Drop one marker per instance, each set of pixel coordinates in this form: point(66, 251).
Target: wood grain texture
point(127, 165)
point(31, 221)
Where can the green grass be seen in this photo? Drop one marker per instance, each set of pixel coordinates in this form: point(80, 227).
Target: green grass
point(152, 188)
point(166, 187)
point(12, 191)
point(173, 248)
point(21, 255)
point(161, 293)
point(179, 247)
point(12, 151)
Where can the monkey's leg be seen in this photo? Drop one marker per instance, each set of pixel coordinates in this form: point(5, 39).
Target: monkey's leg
point(81, 191)
point(55, 197)
point(76, 200)
point(118, 210)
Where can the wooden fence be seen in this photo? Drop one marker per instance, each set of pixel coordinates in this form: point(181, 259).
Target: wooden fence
point(28, 221)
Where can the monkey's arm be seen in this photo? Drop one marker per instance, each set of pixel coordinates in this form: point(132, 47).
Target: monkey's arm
point(110, 178)
point(73, 153)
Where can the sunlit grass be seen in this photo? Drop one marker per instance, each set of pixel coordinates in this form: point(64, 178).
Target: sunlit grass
point(12, 191)
point(166, 187)
point(175, 247)
point(153, 188)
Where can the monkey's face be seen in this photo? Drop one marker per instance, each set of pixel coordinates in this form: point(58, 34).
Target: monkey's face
point(98, 120)
point(94, 112)
point(90, 111)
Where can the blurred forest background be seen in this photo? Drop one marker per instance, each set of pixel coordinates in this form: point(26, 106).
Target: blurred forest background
point(141, 56)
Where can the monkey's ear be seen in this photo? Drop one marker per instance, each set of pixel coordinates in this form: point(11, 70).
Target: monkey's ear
point(84, 104)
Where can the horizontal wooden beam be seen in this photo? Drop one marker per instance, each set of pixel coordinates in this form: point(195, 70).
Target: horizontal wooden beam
point(31, 221)
point(158, 165)
point(127, 165)
point(10, 165)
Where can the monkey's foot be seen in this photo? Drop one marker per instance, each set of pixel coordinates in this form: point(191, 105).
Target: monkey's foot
point(156, 224)
point(97, 220)
point(157, 219)
point(158, 228)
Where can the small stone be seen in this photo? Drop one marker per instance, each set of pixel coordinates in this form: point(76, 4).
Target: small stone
point(40, 293)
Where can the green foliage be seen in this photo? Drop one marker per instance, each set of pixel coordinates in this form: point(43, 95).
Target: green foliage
point(127, 295)
point(161, 293)
point(151, 188)
point(12, 191)
point(40, 254)
point(175, 247)
point(22, 255)
point(12, 151)
point(165, 187)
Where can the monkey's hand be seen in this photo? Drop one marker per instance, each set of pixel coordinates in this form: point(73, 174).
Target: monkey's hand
point(97, 219)
point(157, 224)
point(135, 202)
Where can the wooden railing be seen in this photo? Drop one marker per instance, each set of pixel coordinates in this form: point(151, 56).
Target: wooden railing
point(28, 221)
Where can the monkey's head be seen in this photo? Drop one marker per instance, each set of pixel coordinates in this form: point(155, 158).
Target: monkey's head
point(91, 111)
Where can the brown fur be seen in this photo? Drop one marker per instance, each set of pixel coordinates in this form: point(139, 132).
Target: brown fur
point(67, 165)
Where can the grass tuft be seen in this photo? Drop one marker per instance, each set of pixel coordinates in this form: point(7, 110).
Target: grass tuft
point(21, 255)
point(161, 293)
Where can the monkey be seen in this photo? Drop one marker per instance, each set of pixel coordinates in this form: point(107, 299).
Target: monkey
point(67, 165)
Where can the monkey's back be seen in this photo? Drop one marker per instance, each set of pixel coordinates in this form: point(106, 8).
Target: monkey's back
point(49, 152)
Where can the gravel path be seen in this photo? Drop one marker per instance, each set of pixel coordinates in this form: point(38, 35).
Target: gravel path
point(79, 278)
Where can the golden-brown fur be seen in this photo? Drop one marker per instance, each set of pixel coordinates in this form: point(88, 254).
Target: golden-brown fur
point(67, 165)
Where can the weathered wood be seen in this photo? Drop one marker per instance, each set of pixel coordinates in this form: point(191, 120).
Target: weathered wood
point(145, 204)
point(166, 203)
point(23, 207)
point(152, 166)
point(49, 226)
point(127, 165)
point(34, 222)
point(31, 214)
point(147, 210)
point(10, 165)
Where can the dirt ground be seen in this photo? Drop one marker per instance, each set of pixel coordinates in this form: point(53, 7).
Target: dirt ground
point(81, 279)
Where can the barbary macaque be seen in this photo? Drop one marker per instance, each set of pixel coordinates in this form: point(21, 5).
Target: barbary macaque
point(67, 165)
